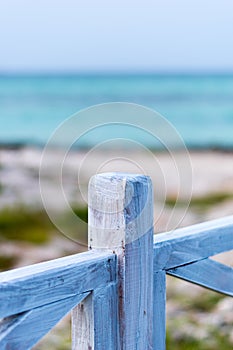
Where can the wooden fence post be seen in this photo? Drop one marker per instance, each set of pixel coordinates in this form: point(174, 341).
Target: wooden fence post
point(121, 219)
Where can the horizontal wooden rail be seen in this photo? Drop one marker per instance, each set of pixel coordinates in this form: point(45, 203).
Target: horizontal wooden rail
point(207, 273)
point(192, 243)
point(22, 331)
point(34, 298)
point(40, 284)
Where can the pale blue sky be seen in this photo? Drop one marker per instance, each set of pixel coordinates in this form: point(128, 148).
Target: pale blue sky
point(153, 35)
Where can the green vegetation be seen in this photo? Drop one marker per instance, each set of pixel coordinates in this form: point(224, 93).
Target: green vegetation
point(203, 302)
point(34, 226)
point(74, 227)
point(191, 327)
point(7, 262)
point(203, 202)
point(82, 213)
point(22, 224)
point(215, 342)
point(206, 301)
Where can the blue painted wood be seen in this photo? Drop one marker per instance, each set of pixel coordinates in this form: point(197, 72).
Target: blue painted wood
point(33, 286)
point(22, 331)
point(192, 243)
point(95, 320)
point(159, 310)
point(207, 273)
point(136, 298)
point(105, 305)
point(121, 218)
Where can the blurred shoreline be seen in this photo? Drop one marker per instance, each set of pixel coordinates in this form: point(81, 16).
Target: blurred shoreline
point(18, 145)
point(20, 165)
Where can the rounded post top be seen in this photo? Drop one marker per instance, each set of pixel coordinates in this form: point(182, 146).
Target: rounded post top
point(120, 209)
point(116, 183)
point(120, 176)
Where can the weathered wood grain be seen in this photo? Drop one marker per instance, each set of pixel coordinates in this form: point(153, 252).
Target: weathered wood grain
point(97, 320)
point(121, 218)
point(192, 243)
point(21, 332)
point(159, 310)
point(207, 273)
point(83, 330)
point(105, 305)
point(40, 284)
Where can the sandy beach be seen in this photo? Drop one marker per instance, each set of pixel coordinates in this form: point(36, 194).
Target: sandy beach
point(174, 176)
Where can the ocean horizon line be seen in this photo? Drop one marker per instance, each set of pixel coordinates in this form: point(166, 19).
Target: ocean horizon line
point(114, 74)
point(17, 145)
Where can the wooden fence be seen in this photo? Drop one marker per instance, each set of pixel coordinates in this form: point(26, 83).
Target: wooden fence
point(116, 290)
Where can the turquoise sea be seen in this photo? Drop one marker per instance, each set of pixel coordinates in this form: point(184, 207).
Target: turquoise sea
point(199, 106)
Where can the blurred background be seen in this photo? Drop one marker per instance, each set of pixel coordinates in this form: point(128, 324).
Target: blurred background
point(58, 58)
